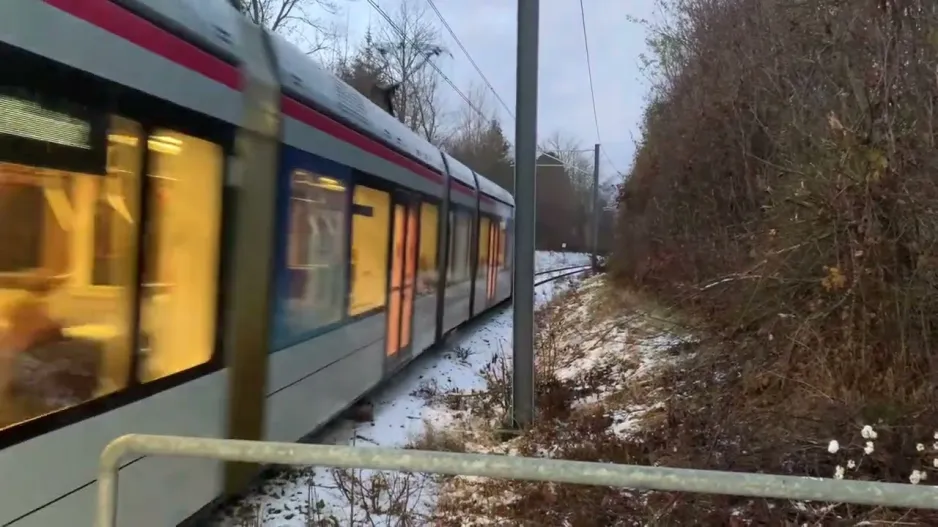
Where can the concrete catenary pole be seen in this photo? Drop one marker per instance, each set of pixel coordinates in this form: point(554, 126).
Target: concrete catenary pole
point(525, 160)
point(594, 225)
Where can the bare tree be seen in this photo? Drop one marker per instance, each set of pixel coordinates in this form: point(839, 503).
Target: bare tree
point(471, 119)
point(406, 45)
point(302, 21)
point(477, 139)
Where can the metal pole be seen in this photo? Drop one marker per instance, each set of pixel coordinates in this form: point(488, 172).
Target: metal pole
point(594, 226)
point(525, 159)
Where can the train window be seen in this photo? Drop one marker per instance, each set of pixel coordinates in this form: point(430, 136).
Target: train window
point(313, 291)
point(181, 252)
point(461, 250)
point(508, 232)
point(66, 259)
point(484, 239)
point(429, 232)
point(467, 268)
point(370, 238)
point(451, 245)
point(502, 241)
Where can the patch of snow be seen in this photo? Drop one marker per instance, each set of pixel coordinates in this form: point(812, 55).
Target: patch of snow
point(545, 260)
point(401, 414)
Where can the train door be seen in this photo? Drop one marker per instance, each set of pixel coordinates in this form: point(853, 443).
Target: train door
point(403, 278)
point(492, 275)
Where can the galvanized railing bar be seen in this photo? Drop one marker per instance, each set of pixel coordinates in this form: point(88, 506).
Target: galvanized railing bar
point(505, 467)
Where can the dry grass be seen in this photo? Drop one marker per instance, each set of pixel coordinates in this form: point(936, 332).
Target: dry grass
point(590, 406)
point(784, 196)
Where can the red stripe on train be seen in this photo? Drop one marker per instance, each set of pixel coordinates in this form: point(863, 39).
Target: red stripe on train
point(117, 20)
point(122, 23)
point(461, 187)
point(301, 112)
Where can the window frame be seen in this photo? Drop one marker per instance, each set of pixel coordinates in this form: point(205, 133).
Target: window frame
point(398, 194)
point(493, 219)
point(325, 167)
point(360, 178)
point(506, 246)
point(438, 204)
point(105, 98)
point(470, 213)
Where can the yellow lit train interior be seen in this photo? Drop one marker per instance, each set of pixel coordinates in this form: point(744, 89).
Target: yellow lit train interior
point(429, 232)
point(370, 238)
point(68, 264)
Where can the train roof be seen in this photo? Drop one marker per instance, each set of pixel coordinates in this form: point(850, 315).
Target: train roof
point(305, 79)
point(212, 24)
point(215, 25)
point(495, 190)
point(460, 172)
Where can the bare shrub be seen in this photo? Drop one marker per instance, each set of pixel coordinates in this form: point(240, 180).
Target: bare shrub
point(785, 194)
point(440, 439)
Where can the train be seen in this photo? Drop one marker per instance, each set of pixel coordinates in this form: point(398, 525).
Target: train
point(203, 232)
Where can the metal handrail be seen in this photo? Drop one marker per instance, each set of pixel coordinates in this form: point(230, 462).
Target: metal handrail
point(504, 467)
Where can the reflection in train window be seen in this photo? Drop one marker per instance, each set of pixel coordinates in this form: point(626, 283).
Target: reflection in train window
point(502, 244)
point(484, 239)
point(461, 252)
point(181, 251)
point(451, 244)
point(315, 260)
point(66, 260)
point(509, 243)
point(370, 239)
point(429, 232)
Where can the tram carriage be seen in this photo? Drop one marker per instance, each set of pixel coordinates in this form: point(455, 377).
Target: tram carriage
point(204, 233)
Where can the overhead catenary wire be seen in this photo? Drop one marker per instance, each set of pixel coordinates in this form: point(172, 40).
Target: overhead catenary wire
point(403, 35)
point(490, 86)
point(469, 56)
point(387, 18)
point(589, 70)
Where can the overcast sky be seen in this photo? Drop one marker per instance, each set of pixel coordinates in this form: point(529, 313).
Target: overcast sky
point(487, 28)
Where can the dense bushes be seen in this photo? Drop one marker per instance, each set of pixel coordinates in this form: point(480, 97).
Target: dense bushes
point(786, 192)
point(787, 178)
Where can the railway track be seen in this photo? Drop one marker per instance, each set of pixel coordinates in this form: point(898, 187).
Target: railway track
point(215, 512)
point(559, 273)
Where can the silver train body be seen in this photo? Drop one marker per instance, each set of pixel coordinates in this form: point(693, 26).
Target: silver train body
point(251, 295)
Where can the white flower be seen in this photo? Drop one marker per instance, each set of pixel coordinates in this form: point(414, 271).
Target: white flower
point(853, 464)
point(916, 477)
point(869, 433)
point(868, 449)
point(920, 447)
point(934, 462)
point(839, 472)
point(833, 446)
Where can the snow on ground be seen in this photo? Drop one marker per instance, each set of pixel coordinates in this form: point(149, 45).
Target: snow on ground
point(403, 413)
point(598, 353)
point(545, 260)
